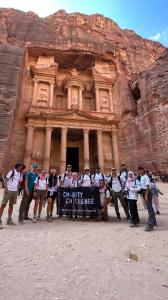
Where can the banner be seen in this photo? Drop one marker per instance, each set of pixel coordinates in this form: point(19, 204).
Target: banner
point(80, 201)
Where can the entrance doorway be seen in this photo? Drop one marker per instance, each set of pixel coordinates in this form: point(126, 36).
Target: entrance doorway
point(73, 158)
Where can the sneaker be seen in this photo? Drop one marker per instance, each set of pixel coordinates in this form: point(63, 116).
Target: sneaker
point(118, 219)
point(10, 222)
point(38, 218)
point(133, 225)
point(148, 228)
point(27, 219)
point(34, 220)
point(21, 222)
point(1, 225)
point(129, 221)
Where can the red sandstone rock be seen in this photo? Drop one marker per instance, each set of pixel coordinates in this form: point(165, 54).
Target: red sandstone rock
point(81, 38)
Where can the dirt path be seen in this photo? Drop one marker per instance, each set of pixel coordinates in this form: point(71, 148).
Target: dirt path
point(68, 260)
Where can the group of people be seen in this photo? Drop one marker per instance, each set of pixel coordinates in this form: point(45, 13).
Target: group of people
point(43, 187)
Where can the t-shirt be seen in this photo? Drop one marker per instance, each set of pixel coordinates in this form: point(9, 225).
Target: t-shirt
point(144, 181)
point(66, 178)
point(123, 177)
point(116, 185)
point(30, 177)
point(73, 183)
point(103, 195)
point(86, 180)
point(96, 178)
point(13, 182)
point(41, 182)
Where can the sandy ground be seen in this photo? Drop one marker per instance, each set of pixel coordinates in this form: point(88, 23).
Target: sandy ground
point(66, 260)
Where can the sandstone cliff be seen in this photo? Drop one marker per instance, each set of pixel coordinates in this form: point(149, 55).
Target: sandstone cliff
point(104, 38)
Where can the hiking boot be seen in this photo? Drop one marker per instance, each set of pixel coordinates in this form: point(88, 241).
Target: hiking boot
point(1, 225)
point(148, 228)
point(10, 222)
point(133, 225)
point(34, 220)
point(27, 219)
point(21, 222)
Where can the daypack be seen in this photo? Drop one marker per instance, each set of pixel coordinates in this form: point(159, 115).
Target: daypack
point(82, 177)
point(12, 175)
point(101, 174)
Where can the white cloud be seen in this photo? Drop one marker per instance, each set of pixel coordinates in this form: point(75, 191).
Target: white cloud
point(156, 37)
point(161, 37)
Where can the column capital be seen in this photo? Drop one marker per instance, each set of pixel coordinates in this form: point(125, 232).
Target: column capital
point(99, 131)
point(86, 130)
point(49, 128)
point(64, 129)
point(29, 126)
point(35, 80)
point(114, 127)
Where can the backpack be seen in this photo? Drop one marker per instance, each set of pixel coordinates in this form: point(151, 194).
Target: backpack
point(101, 174)
point(12, 175)
point(82, 177)
point(111, 182)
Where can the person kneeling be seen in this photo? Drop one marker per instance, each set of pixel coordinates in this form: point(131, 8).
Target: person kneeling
point(104, 200)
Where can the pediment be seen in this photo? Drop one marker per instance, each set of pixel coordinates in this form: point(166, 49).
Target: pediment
point(80, 116)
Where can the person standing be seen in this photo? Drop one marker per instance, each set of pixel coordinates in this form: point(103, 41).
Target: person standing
point(11, 185)
point(52, 193)
point(86, 178)
point(97, 176)
point(65, 178)
point(155, 195)
point(132, 187)
point(115, 185)
point(73, 182)
point(147, 195)
point(40, 190)
point(28, 193)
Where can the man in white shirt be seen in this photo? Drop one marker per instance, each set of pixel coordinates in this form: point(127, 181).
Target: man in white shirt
point(117, 193)
point(86, 178)
point(147, 195)
point(97, 177)
point(11, 184)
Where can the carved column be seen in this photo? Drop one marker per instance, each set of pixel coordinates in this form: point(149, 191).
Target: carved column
point(47, 148)
point(64, 131)
point(86, 148)
point(111, 101)
point(35, 88)
point(28, 146)
point(69, 98)
point(51, 95)
point(100, 149)
point(97, 99)
point(80, 99)
point(115, 147)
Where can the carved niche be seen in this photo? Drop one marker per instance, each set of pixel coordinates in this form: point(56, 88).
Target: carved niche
point(104, 100)
point(43, 94)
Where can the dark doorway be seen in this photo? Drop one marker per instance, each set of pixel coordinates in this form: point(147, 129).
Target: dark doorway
point(73, 158)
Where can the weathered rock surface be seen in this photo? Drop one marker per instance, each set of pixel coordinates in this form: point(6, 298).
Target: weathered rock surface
point(143, 123)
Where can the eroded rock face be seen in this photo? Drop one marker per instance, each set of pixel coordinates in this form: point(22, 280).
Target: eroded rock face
point(142, 118)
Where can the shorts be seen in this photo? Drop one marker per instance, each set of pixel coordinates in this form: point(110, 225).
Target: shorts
point(9, 196)
point(53, 195)
point(40, 195)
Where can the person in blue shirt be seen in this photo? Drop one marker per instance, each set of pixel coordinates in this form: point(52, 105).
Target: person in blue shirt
point(28, 193)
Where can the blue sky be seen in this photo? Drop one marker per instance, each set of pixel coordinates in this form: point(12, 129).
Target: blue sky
point(149, 18)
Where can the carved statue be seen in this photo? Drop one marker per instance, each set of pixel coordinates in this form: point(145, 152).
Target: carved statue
point(74, 72)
